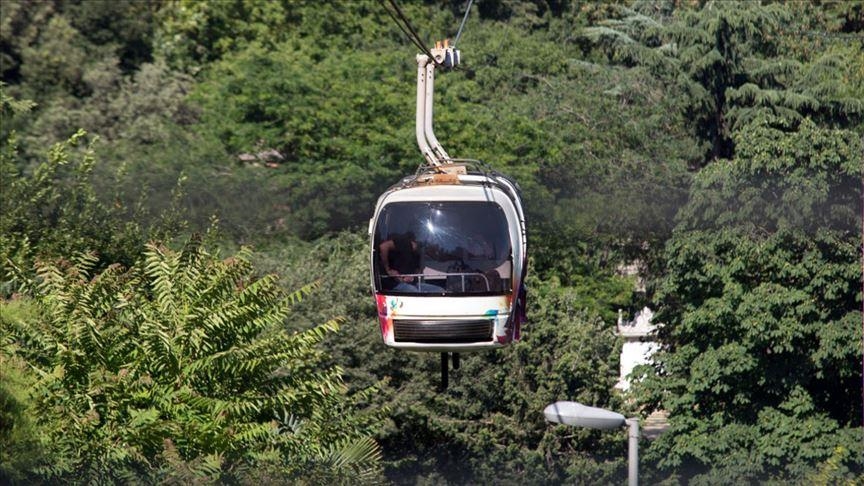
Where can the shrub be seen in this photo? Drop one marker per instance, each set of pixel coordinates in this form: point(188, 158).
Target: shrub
point(180, 367)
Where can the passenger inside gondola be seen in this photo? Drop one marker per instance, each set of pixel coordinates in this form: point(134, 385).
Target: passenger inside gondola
point(400, 257)
point(450, 248)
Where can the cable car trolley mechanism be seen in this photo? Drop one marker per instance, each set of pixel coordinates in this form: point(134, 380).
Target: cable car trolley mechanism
point(448, 246)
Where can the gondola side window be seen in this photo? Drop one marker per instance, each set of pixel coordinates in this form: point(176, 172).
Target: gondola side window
point(443, 248)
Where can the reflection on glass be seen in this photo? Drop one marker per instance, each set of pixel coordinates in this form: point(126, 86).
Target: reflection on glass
point(444, 248)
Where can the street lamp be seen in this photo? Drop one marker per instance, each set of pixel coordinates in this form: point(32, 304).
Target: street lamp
point(572, 413)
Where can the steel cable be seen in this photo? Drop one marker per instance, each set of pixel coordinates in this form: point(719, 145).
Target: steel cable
point(414, 37)
point(401, 27)
point(462, 25)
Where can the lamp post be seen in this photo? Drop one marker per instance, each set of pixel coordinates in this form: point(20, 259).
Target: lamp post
point(573, 413)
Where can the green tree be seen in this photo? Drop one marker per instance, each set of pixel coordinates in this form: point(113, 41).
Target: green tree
point(55, 211)
point(137, 110)
point(68, 203)
point(124, 28)
point(45, 71)
point(760, 304)
point(181, 365)
point(19, 28)
point(326, 114)
point(72, 59)
point(726, 58)
point(191, 34)
point(21, 449)
point(120, 29)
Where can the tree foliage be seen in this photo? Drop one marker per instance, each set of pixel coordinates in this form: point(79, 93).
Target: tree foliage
point(56, 211)
point(285, 119)
point(182, 362)
point(724, 56)
point(760, 305)
point(488, 426)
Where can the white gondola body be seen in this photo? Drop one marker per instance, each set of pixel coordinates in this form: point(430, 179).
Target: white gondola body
point(458, 309)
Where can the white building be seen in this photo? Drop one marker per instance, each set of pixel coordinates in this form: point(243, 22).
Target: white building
point(637, 349)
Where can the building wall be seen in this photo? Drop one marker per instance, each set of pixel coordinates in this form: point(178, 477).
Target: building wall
point(638, 347)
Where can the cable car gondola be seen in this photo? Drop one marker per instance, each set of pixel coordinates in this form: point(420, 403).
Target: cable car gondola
point(448, 247)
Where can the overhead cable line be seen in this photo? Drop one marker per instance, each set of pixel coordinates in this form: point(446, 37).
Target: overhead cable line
point(411, 28)
point(412, 36)
point(405, 26)
point(462, 25)
point(401, 27)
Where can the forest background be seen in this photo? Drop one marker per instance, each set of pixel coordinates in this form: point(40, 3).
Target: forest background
point(186, 188)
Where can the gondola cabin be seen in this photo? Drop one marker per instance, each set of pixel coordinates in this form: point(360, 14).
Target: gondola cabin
point(448, 261)
point(448, 246)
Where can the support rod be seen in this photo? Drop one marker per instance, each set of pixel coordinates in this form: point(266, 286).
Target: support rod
point(445, 372)
point(419, 129)
point(434, 144)
point(430, 147)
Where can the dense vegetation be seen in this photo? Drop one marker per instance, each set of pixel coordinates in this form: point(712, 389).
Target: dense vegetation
point(718, 145)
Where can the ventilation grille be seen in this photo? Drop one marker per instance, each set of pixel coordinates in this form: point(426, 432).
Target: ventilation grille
point(442, 331)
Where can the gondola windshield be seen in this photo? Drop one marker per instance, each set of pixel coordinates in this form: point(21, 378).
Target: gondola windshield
point(443, 248)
